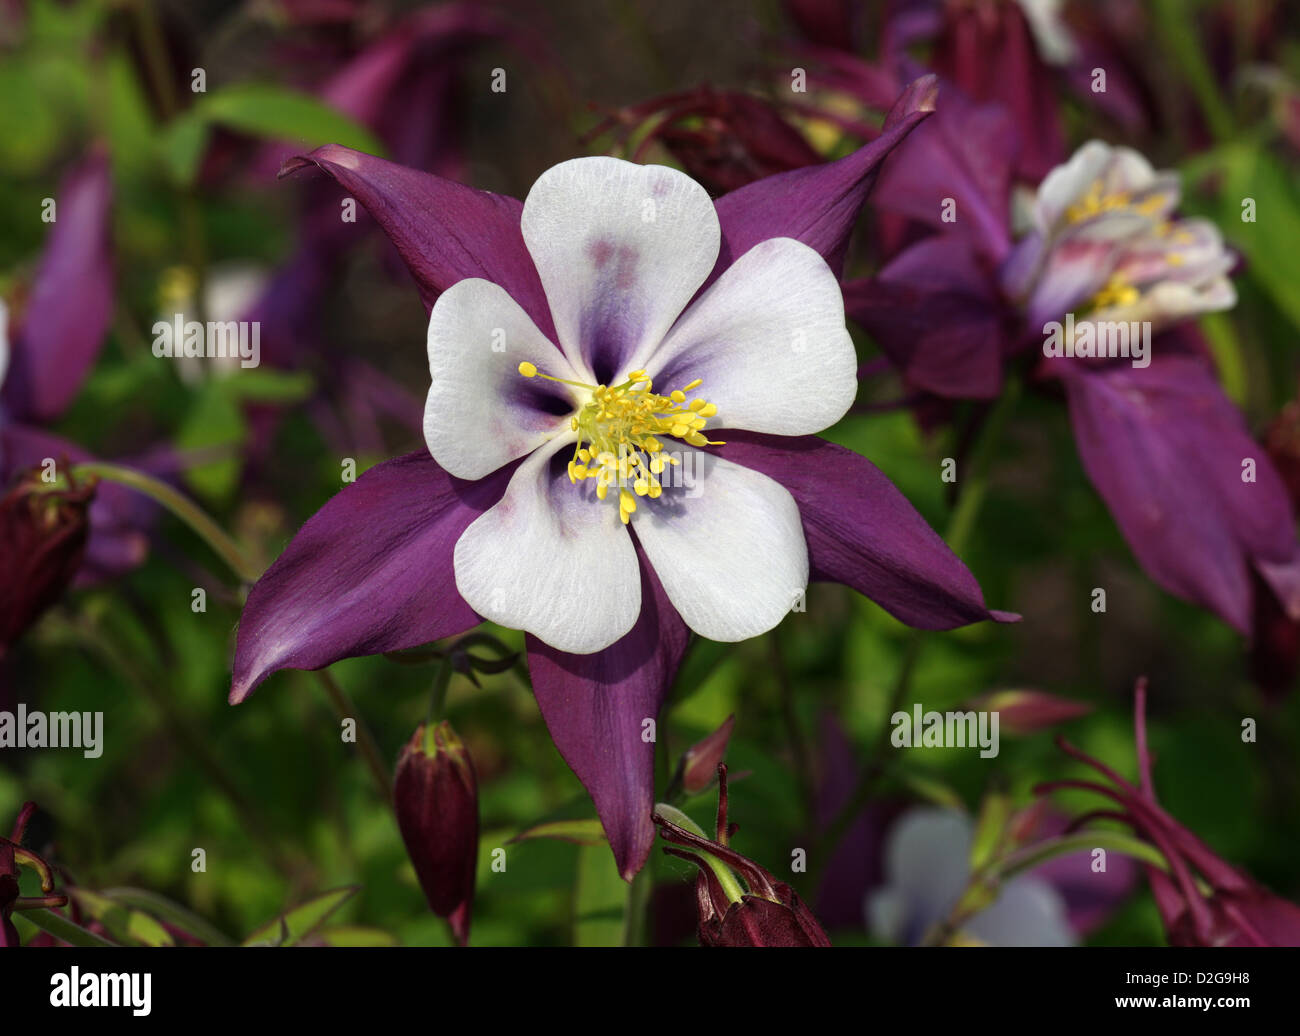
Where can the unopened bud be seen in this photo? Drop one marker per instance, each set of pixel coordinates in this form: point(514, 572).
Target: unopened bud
point(435, 794)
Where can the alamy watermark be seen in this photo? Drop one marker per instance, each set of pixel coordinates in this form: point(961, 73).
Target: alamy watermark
point(217, 339)
point(33, 729)
point(970, 729)
point(1104, 339)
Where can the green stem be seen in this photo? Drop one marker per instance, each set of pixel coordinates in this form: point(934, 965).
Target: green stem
point(365, 739)
point(61, 928)
point(182, 507)
point(437, 699)
point(971, 493)
point(790, 719)
point(1178, 29)
point(635, 920)
point(974, 487)
point(260, 833)
point(1031, 856)
point(730, 885)
point(1082, 841)
point(229, 551)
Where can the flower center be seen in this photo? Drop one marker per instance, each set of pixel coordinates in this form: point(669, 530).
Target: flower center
point(619, 434)
point(1117, 291)
point(1096, 203)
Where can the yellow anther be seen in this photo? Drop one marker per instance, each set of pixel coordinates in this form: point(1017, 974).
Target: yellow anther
point(619, 432)
point(1116, 292)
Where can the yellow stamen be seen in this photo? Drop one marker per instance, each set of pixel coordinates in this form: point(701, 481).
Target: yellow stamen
point(619, 432)
point(1116, 292)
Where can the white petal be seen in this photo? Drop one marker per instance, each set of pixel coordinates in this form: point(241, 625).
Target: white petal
point(727, 545)
point(1065, 184)
point(769, 341)
point(551, 559)
point(1027, 912)
point(481, 412)
point(621, 249)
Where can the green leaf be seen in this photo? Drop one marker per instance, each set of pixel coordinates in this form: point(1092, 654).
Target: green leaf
point(354, 935)
point(122, 922)
point(1269, 242)
point(581, 832)
point(600, 900)
point(165, 910)
point(263, 385)
point(294, 925)
point(990, 829)
point(183, 145)
point(279, 113)
point(215, 420)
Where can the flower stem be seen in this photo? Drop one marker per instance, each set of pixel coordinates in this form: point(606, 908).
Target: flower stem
point(970, 499)
point(229, 551)
point(182, 507)
point(61, 928)
point(723, 873)
point(365, 739)
point(1029, 857)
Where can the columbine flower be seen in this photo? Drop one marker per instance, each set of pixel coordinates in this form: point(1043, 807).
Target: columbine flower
point(593, 283)
point(1104, 240)
point(611, 443)
point(1163, 445)
point(1202, 900)
point(765, 912)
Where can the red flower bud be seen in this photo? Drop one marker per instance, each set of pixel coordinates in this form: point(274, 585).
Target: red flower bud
point(699, 763)
point(42, 539)
point(1027, 712)
point(770, 913)
point(435, 793)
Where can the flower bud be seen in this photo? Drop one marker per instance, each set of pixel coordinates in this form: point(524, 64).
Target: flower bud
point(699, 763)
point(1028, 711)
point(43, 532)
point(767, 912)
point(435, 794)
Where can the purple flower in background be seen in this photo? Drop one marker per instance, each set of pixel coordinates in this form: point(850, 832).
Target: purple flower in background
point(502, 517)
point(1202, 900)
point(49, 341)
point(927, 869)
point(1103, 242)
point(1197, 500)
